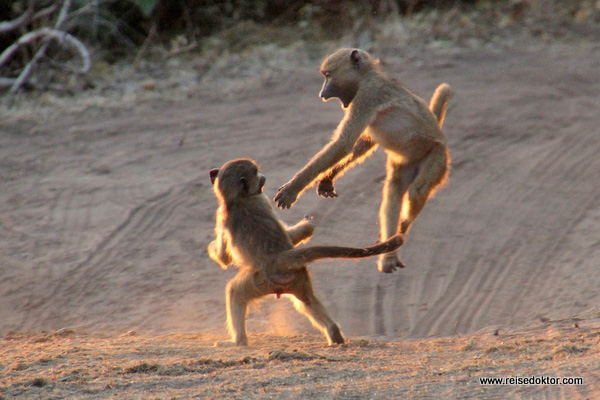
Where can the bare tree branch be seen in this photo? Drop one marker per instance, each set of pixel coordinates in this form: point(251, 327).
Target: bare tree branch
point(10, 50)
point(8, 26)
point(64, 13)
point(26, 18)
point(55, 34)
point(6, 82)
point(44, 33)
point(140, 54)
point(49, 33)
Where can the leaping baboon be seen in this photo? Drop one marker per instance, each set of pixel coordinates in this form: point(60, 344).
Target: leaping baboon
point(379, 111)
point(250, 236)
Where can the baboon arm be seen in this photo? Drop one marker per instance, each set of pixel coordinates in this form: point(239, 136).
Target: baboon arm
point(346, 135)
point(363, 148)
point(298, 258)
point(218, 250)
point(301, 232)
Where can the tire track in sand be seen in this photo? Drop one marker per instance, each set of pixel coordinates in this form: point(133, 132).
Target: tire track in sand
point(507, 285)
point(84, 283)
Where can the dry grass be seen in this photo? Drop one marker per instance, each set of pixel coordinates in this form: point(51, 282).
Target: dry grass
point(70, 364)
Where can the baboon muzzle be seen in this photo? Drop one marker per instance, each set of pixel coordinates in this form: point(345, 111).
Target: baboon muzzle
point(325, 95)
point(325, 92)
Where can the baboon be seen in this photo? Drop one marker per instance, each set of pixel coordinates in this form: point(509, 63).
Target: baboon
point(250, 236)
point(379, 111)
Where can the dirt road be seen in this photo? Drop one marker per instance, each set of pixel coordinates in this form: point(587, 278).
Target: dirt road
point(105, 213)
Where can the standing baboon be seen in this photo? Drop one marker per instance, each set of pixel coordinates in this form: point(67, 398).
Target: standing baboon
point(250, 236)
point(379, 111)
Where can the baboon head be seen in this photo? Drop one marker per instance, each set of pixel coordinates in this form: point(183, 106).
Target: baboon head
point(237, 179)
point(343, 71)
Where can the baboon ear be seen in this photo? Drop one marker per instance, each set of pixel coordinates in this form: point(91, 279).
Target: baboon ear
point(213, 175)
point(355, 57)
point(244, 184)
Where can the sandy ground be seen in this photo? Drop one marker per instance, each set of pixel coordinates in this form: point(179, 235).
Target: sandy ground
point(105, 215)
point(69, 365)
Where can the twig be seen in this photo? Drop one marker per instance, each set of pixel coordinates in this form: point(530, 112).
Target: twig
point(145, 45)
point(26, 18)
point(44, 12)
point(181, 50)
point(62, 16)
point(10, 50)
point(56, 87)
point(8, 26)
point(6, 82)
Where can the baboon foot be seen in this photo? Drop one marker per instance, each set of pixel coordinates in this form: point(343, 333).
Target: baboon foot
point(389, 264)
point(231, 343)
point(335, 335)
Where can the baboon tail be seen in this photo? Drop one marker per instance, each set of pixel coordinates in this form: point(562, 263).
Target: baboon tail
point(439, 102)
point(301, 257)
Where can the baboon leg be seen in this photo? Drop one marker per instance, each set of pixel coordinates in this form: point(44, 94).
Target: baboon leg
point(432, 173)
point(301, 232)
point(398, 179)
point(238, 294)
point(308, 304)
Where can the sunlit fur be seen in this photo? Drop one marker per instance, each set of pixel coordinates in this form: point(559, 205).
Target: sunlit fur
point(250, 236)
point(379, 111)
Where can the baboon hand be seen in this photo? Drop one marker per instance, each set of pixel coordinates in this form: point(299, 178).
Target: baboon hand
point(310, 218)
point(219, 256)
point(286, 196)
point(311, 221)
point(325, 188)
